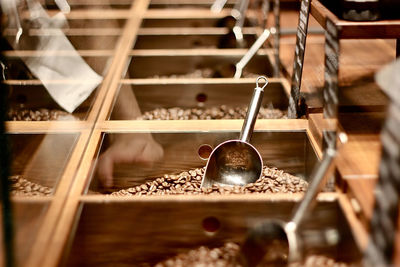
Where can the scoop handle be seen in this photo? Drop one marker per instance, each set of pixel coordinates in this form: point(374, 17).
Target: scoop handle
point(252, 111)
point(319, 177)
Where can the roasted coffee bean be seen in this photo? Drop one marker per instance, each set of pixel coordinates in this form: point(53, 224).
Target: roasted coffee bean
point(204, 73)
point(22, 187)
point(227, 256)
point(189, 182)
point(23, 114)
point(214, 113)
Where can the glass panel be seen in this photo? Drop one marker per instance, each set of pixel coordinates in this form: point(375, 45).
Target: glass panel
point(136, 159)
point(38, 161)
point(27, 218)
point(198, 101)
point(207, 66)
point(193, 40)
point(33, 103)
point(162, 229)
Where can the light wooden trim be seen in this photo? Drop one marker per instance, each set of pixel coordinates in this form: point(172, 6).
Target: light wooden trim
point(66, 218)
point(41, 82)
point(200, 125)
point(47, 126)
point(192, 31)
point(58, 53)
point(197, 52)
point(90, 32)
point(357, 229)
point(276, 197)
point(162, 81)
point(320, 13)
point(52, 216)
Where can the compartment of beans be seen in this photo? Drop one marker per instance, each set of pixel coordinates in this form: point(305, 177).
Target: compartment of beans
point(179, 65)
point(191, 38)
point(38, 161)
point(288, 159)
point(190, 18)
point(30, 101)
point(164, 232)
point(203, 101)
point(27, 217)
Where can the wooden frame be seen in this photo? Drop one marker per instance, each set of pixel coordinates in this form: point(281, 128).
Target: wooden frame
point(64, 205)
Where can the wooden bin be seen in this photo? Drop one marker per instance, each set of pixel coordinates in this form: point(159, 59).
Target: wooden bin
point(134, 232)
point(290, 151)
point(189, 38)
point(204, 93)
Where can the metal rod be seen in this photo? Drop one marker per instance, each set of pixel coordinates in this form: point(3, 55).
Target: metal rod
point(252, 111)
point(251, 52)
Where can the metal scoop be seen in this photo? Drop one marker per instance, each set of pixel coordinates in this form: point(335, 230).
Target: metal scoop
point(237, 162)
point(284, 234)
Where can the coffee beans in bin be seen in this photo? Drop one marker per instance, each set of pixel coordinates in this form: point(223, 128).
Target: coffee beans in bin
point(41, 114)
point(226, 255)
point(22, 187)
point(213, 113)
point(188, 182)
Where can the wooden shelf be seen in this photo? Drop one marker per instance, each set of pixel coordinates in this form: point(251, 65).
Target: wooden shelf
point(384, 29)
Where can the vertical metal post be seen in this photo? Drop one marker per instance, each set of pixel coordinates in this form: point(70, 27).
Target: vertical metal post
point(301, 36)
point(330, 90)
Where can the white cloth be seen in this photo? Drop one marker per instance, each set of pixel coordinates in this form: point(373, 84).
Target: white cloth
point(60, 62)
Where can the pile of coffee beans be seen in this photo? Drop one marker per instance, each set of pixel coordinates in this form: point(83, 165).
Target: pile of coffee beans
point(42, 114)
point(204, 256)
point(214, 113)
point(206, 73)
point(189, 182)
point(22, 187)
point(226, 256)
point(198, 73)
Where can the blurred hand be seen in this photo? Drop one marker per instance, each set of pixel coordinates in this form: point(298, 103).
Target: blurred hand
point(131, 149)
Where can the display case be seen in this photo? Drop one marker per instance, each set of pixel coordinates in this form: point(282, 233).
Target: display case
point(158, 51)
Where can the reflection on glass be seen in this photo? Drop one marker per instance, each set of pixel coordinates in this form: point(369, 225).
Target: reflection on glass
point(38, 162)
point(197, 101)
point(288, 158)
